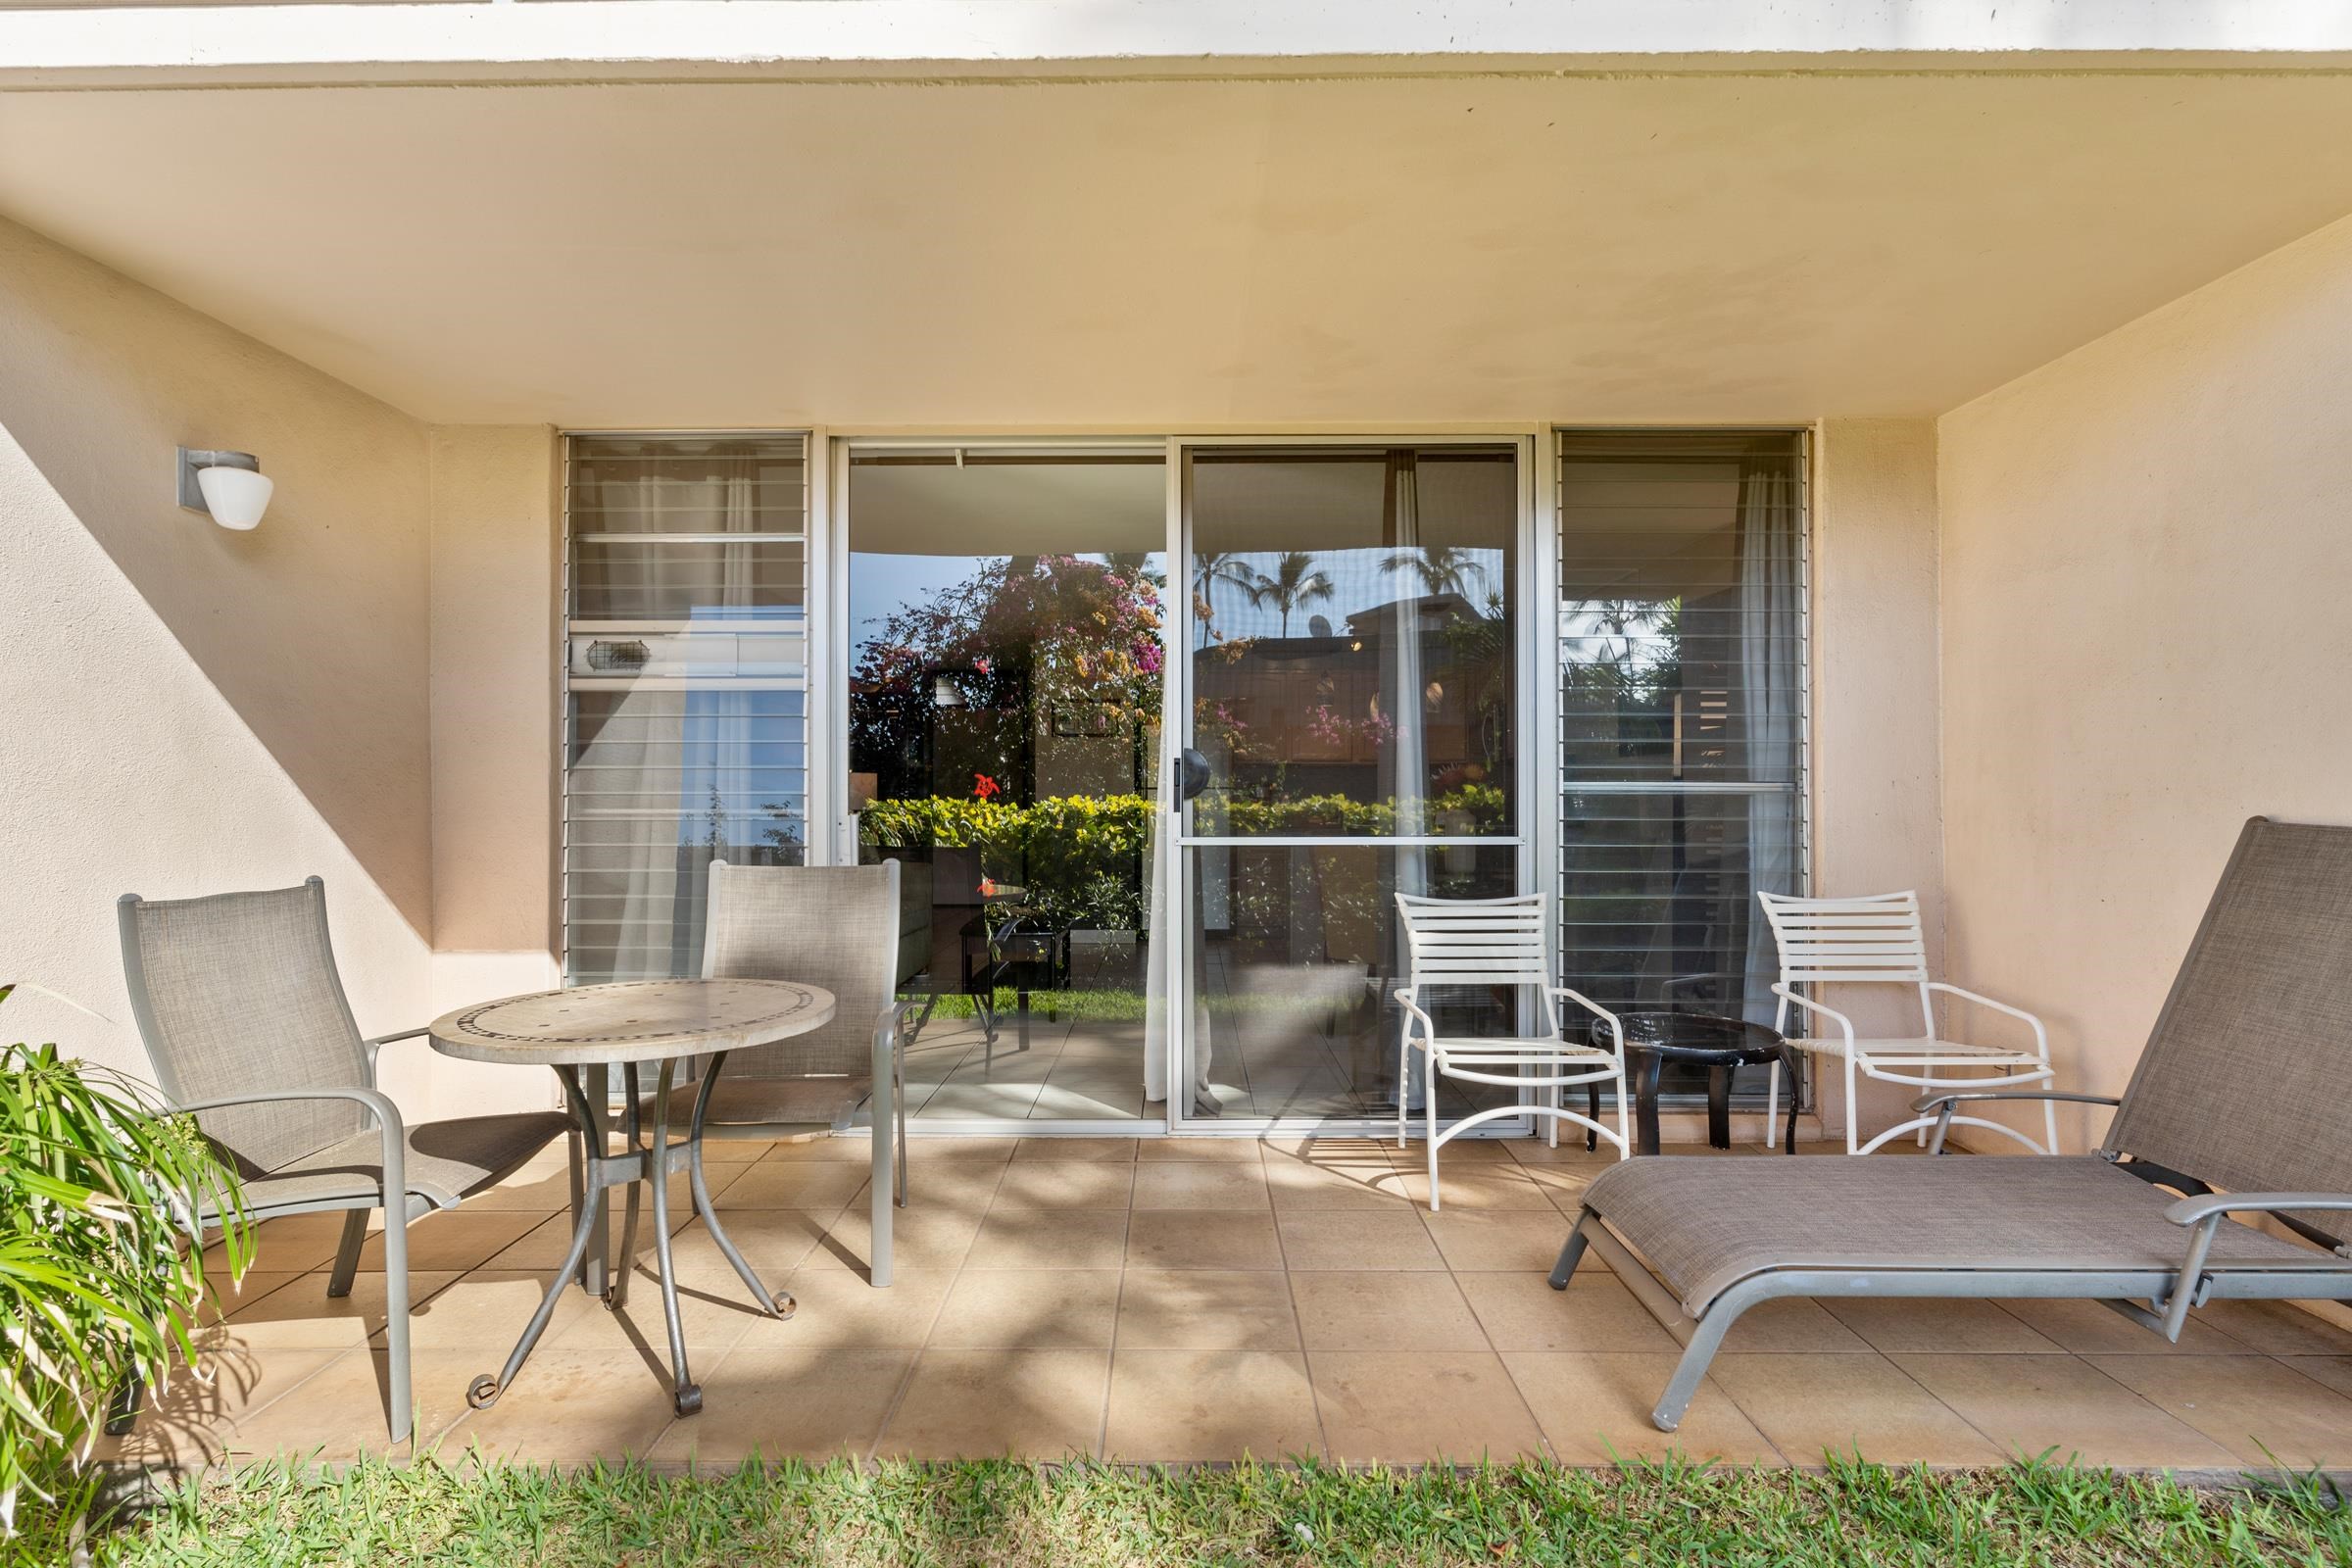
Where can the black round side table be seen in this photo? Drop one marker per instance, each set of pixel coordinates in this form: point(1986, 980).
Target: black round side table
point(1701, 1039)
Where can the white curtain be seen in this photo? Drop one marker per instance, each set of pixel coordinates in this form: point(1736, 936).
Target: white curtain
point(1769, 682)
point(672, 758)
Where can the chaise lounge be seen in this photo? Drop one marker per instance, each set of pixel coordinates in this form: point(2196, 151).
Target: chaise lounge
point(2236, 1108)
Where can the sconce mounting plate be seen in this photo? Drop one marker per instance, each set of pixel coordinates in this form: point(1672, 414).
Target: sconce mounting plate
point(191, 494)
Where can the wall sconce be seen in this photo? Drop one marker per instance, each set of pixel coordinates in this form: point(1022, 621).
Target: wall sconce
point(226, 486)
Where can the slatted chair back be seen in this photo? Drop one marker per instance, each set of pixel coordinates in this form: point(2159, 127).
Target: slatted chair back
point(1476, 941)
point(1873, 939)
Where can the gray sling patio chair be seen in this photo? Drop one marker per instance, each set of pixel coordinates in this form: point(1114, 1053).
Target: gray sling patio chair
point(2236, 1104)
point(830, 926)
point(245, 1022)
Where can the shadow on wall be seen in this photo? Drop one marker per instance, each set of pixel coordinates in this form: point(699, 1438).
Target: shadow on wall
point(314, 627)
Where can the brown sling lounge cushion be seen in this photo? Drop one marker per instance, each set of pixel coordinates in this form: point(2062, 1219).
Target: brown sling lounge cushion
point(1707, 1224)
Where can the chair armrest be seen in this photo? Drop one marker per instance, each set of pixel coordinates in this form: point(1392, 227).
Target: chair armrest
point(2203, 1214)
point(1407, 997)
point(2042, 1036)
point(1927, 1102)
point(1616, 1029)
point(1846, 1025)
point(1944, 1106)
point(389, 1126)
point(376, 1043)
point(2212, 1205)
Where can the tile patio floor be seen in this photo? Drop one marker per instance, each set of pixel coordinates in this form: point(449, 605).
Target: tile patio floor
point(1191, 1300)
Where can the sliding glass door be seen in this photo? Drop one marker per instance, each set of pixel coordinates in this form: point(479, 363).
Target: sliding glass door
point(1349, 725)
point(1681, 658)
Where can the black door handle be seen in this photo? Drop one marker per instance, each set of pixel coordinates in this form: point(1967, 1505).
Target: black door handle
point(1191, 774)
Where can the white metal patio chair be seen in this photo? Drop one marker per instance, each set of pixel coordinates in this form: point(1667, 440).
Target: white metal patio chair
point(1878, 940)
point(1482, 944)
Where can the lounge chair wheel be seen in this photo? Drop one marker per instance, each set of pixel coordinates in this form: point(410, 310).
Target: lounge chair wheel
point(784, 1305)
point(483, 1393)
point(689, 1400)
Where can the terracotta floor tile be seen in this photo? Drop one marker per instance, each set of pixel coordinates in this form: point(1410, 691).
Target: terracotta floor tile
point(1178, 1406)
point(2333, 1370)
point(1595, 1408)
point(2028, 1404)
point(832, 1148)
point(973, 1152)
point(459, 1239)
point(793, 1184)
point(2264, 1411)
point(1493, 1185)
point(1224, 1151)
point(302, 1316)
point(1571, 1152)
point(923, 1237)
point(1521, 1311)
point(539, 1188)
point(718, 1150)
point(2087, 1328)
point(1035, 1184)
point(1170, 1239)
point(1508, 1239)
point(1420, 1407)
point(224, 1297)
point(837, 1308)
point(1933, 1326)
point(1040, 1405)
point(774, 1240)
point(1388, 1311)
point(1792, 1325)
point(1299, 1186)
point(1809, 1406)
point(1002, 1310)
point(296, 1244)
point(1197, 1186)
point(808, 1403)
point(190, 1419)
point(567, 1407)
point(1206, 1309)
point(1056, 1149)
point(2276, 1327)
point(1047, 1238)
point(1414, 1155)
point(712, 1315)
point(340, 1414)
point(542, 1248)
point(1393, 1239)
point(485, 1311)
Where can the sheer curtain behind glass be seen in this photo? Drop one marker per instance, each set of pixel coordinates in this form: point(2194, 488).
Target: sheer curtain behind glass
point(686, 723)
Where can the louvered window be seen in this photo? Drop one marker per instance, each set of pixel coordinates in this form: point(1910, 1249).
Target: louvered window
point(686, 734)
point(1681, 649)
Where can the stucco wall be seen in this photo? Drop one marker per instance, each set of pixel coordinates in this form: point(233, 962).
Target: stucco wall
point(2144, 561)
point(1874, 753)
point(188, 709)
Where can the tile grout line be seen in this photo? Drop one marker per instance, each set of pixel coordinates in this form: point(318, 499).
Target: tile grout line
point(1289, 1289)
point(898, 1397)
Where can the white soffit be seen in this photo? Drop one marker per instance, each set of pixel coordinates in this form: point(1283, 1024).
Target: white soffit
point(1166, 255)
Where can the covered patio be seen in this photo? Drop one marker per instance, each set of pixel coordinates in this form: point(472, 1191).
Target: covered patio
point(1197, 1300)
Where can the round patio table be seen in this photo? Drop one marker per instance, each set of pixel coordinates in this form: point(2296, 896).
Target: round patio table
point(1700, 1039)
point(630, 1025)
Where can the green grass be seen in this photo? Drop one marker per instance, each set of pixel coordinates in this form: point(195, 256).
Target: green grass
point(1012, 1515)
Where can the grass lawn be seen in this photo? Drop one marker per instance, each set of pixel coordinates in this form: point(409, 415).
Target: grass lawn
point(459, 1511)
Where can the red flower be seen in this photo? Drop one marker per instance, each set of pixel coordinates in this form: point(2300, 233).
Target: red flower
point(986, 788)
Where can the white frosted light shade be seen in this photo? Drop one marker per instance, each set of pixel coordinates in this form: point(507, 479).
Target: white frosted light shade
point(235, 497)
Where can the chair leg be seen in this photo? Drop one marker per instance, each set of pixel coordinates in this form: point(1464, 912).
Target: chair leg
point(347, 1254)
point(1853, 1111)
point(1430, 1094)
point(1772, 1101)
point(898, 1099)
point(396, 1316)
point(1404, 1068)
point(1571, 1254)
point(884, 1181)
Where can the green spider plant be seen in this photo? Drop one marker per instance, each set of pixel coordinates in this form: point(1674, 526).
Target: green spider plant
point(101, 1265)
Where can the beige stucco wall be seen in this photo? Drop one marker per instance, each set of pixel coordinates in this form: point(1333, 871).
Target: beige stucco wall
point(1874, 752)
point(188, 709)
point(2144, 563)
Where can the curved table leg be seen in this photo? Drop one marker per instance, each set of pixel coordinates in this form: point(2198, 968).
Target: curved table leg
point(484, 1391)
point(1719, 1106)
point(1645, 1102)
point(685, 1395)
point(779, 1304)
